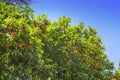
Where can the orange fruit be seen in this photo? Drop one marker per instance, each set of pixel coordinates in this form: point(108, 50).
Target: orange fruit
point(78, 49)
point(0, 33)
point(12, 34)
point(10, 27)
point(96, 64)
point(21, 45)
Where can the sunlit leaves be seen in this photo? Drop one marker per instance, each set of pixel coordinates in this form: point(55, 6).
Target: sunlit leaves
point(117, 74)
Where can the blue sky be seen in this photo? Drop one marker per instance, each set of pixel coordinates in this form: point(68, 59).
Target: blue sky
point(104, 15)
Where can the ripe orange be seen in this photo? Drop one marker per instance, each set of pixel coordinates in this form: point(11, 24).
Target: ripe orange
point(21, 45)
point(12, 34)
point(10, 27)
point(0, 33)
point(96, 64)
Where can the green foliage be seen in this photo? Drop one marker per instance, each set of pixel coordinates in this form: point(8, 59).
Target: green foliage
point(117, 74)
point(20, 45)
point(75, 52)
point(33, 48)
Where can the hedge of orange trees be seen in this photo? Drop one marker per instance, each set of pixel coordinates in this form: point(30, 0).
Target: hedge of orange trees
point(34, 48)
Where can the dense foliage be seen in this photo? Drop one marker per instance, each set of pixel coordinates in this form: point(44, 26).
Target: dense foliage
point(34, 48)
point(20, 45)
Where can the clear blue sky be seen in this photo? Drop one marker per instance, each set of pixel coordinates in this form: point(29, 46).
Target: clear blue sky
point(104, 15)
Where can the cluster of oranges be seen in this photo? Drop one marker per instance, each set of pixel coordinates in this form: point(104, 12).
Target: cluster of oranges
point(10, 28)
point(43, 26)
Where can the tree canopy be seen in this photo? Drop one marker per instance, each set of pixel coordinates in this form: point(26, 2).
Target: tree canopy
point(17, 2)
point(34, 48)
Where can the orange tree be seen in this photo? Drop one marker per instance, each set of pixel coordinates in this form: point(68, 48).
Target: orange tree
point(33, 48)
point(20, 44)
point(74, 52)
